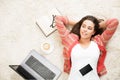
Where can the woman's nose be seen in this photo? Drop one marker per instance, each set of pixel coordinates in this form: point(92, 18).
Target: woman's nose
point(85, 29)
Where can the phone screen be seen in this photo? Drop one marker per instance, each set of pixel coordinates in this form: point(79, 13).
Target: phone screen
point(86, 69)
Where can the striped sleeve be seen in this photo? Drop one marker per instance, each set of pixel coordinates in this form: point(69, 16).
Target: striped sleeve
point(61, 22)
point(67, 38)
point(111, 26)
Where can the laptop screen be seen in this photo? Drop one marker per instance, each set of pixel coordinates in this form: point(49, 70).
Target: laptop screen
point(39, 68)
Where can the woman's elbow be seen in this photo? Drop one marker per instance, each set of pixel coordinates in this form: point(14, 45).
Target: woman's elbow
point(116, 21)
point(112, 23)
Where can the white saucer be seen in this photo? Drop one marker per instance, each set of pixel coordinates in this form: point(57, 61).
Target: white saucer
point(47, 47)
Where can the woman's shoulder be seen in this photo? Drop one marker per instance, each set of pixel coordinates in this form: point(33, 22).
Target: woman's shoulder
point(74, 36)
point(98, 40)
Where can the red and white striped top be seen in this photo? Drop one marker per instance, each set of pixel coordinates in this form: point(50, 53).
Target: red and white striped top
point(70, 39)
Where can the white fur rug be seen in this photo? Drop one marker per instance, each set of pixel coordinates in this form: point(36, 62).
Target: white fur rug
point(19, 34)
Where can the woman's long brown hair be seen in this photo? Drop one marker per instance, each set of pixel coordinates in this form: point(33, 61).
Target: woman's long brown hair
point(77, 26)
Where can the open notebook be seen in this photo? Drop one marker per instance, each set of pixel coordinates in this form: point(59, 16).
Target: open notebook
point(46, 23)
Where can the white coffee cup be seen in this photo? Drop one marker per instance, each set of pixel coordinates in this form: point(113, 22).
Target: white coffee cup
point(47, 47)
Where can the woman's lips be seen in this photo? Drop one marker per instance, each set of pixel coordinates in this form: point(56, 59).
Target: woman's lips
point(84, 33)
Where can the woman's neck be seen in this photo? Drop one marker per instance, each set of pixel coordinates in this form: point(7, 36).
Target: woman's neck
point(84, 42)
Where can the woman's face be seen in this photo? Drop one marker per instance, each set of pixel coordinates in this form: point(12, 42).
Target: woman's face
point(87, 29)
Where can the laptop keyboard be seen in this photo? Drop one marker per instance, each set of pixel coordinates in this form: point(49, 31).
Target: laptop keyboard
point(40, 69)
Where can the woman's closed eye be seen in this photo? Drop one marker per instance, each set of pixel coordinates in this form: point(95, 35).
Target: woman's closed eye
point(83, 26)
point(90, 28)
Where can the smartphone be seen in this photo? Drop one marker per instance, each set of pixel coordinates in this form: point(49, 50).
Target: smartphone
point(86, 69)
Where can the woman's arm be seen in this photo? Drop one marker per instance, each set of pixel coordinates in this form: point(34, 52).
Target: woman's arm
point(103, 25)
point(61, 22)
point(111, 26)
point(71, 23)
point(67, 37)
